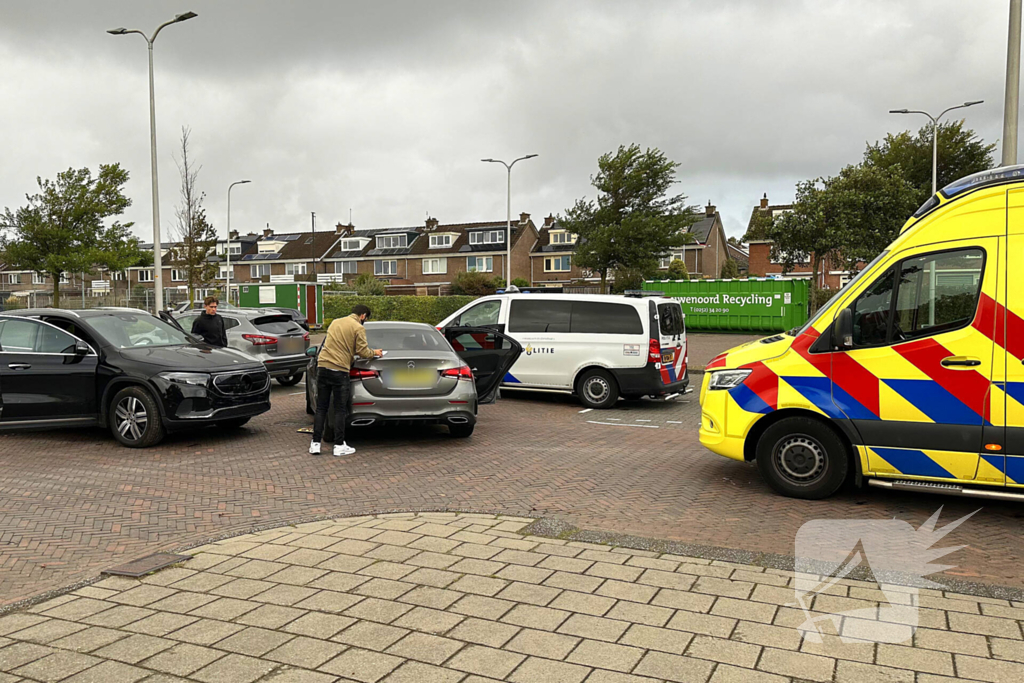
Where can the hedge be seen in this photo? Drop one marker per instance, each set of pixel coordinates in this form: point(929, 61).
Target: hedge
point(417, 309)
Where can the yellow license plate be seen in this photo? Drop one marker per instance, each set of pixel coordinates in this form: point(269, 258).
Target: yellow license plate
point(412, 379)
point(667, 357)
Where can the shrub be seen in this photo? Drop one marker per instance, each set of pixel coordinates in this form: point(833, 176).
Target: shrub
point(677, 270)
point(12, 303)
point(822, 295)
point(417, 309)
point(520, 282)
point(368, 285)
point(730, 270)
point(468, 283)
point(628, 278)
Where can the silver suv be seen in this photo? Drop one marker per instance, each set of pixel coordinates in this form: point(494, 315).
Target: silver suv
point(265, 334)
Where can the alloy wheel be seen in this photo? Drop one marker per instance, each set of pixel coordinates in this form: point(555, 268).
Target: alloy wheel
point(131, 418)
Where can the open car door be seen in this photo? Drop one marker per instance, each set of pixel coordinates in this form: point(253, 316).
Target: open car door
point(169, 319)
point(488, 353)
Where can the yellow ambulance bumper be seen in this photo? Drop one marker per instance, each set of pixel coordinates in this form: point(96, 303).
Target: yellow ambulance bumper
point(713, 433)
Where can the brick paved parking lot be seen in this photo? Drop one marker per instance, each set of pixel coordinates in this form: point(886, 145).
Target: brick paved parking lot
point(473, 598)
point(73, 503)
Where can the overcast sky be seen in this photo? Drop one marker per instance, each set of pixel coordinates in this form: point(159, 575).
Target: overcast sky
point(387, 107)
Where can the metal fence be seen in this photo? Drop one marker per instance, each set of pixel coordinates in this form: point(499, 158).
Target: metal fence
point(140, 297)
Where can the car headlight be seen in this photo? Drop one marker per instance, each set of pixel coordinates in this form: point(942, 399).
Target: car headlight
point(195, 379)
point(727, 379)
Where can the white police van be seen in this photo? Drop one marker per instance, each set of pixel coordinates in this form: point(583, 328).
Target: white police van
point(596, 347)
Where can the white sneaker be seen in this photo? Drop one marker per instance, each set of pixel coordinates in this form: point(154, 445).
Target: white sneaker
point(341, 449)
point(314, 448)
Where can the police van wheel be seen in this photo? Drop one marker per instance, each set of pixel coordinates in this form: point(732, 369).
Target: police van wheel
point(802, 458)
point(597, 389)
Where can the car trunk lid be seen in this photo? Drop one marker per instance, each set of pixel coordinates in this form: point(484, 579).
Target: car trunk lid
point(408, 373)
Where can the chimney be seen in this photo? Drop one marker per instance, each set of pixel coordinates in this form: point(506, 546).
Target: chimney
point(764, 201)
point(341, 229)
point(524, 218)
point(268, 232)
point(709, 210)
point(431, 223)
point(233, 235)
point(549, 221)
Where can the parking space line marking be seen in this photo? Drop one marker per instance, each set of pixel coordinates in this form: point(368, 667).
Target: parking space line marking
point(612, 424)
point(614, 418)
point(297, 393)
point(674, 422)
point(586, 410)
point(638, 420)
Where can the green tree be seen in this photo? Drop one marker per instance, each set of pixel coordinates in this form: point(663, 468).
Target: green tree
point(196, 247)
point(736, 242)
point(62, 228)
point(730, 270)
point(634, 220)
point(677, 270)
point(961, 153)
point(758, 228)
point(521, 282)
point(842, 220)
point(473, 283)
point(368, 285)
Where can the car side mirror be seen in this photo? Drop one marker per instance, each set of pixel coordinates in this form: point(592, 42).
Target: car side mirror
point(842, 330)
point(311, 351)
point(81, 348)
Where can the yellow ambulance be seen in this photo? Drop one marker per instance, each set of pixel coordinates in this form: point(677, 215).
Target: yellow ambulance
point(911, 377)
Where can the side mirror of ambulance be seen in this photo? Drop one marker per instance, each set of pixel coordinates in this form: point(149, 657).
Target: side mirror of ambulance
point(842, 329)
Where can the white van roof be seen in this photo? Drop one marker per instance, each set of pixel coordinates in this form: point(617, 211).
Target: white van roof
point(611, 298)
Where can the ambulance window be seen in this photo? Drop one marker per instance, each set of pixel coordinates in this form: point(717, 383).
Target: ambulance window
point(871, 312)
point(937, 293)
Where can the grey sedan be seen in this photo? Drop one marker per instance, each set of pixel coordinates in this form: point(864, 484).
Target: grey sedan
point(265, 334)
point(425, 377)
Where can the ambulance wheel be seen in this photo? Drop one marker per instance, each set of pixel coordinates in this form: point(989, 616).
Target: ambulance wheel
point(802, 458)
point(597, 389)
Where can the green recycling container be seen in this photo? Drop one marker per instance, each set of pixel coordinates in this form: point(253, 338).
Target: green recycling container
point(748, 305)
point(307, 297)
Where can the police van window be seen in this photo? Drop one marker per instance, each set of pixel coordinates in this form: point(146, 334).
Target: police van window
point(937, 293)
point(871, 312)
point(539, 316)
point(485, 313)
point(671, 319)
point(593, 317)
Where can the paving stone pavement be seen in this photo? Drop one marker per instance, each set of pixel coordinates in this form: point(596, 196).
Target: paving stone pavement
point(468, 598)
point(73, 503)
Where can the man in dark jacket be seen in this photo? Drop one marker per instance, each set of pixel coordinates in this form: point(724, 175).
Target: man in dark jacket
point(209, 325)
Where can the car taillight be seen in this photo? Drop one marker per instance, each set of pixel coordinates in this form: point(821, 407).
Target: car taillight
point(654, 355)
point(259, 339)
point(461, 372)
point(361, 373)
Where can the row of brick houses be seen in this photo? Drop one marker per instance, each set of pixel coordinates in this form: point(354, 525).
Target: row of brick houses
point(420, 259)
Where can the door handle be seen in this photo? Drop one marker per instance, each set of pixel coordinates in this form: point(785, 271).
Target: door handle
point(19, 366)
point(960, 362)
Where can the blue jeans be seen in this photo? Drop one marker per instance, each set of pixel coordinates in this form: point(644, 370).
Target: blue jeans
point(331, 384)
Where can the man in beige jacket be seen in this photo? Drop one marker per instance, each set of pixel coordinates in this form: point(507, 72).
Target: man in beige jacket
point(346, 339)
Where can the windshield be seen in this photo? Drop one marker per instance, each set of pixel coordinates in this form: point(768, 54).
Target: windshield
point(130, 330)
point(406, 338)
point(821, 311)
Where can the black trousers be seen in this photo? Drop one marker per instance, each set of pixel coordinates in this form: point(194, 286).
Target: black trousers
point(331, 384)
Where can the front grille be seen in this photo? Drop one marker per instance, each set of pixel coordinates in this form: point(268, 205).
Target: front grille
point(241, 383)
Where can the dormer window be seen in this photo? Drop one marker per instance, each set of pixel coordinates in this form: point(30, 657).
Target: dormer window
point(269, 247)
point(487, 237)
point(392, 241)
point(440, 241)
point(562, 237)
point(353, 244)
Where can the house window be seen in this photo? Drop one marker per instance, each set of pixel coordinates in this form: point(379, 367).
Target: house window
point(259, 270)
point(562, 237)
point(391, 241)
point(435, 266)
point(223, 275)
point(351, 245)
point(345, 267)
point(440, 241)
point(557, 264)
point(178, 275)
point(38, 279)
point(117, 276)
point(13, 279)
point(385, 267)
point(146, 275)
point(487, 237)
point(295, 269)
point(233, 249)
point(667, 261)
point(480, 264)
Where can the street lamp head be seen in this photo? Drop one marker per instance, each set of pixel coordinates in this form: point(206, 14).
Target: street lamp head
point(489, 160)
point(971, 104)
point(244, 181)
point(529, 156)
point(899, 111)
point(118, 31)
point(185, 17)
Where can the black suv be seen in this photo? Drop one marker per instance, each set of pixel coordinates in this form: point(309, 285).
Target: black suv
point(124, 369)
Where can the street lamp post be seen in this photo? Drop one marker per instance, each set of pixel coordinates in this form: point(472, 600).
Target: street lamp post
point(227, 248)
point(158, 272)
point(508, 215)
point(935, 132)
